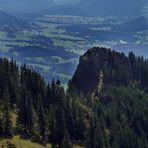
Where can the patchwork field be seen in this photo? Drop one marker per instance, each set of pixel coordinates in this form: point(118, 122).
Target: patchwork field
point(52, 44)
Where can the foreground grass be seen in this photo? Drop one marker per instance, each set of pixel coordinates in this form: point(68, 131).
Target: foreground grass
point(18, 142)
point(22, 140)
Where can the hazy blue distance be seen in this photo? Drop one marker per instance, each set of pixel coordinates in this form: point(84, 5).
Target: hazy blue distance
point(78, 7)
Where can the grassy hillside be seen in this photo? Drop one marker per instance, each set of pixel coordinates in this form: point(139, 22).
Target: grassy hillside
point(20, 140)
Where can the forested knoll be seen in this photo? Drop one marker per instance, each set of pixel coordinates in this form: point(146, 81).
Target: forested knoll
point(113, 114)
point(117, 69)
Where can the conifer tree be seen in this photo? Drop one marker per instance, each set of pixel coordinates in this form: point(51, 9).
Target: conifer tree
point(49, 97)
point(31, 116)
point(6, 117)
point(89, 135)
point(59, 127)
point(1, 125)
point(99, 141)
point(8, 129)
point(53, 92)
point(6, 95)
point(22, 112)
point(42, 121)
point(66, 143)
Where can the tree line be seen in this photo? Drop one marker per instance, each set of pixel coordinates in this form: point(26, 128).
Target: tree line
point(117, 118)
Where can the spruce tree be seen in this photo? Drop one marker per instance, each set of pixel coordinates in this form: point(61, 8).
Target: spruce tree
point(66, 143)
point(22, 110)
point(1, 126)
point(89, 135)
point(99, 141)
point(6, 95)
point(42, 120)
point(59, 127)
point(53, 92)
point(31, 116)
point(8, 129)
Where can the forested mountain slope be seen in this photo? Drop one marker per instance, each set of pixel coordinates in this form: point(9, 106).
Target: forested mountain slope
point(116, 69)
point(38, 106)
point(115, 87)
point(113, 114)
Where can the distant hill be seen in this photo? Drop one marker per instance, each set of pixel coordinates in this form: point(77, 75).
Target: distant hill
point(9, 20)
point(134, 25)
point(127, 8)
point(25, 6)
point(78, 7)
point(11, 24)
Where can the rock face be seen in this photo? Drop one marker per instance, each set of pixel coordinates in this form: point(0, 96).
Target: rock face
point(100, 67)
point(87, 74)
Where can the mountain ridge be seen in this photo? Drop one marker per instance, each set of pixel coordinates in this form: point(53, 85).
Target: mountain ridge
point(114, 115)
point(117, 69)
point(79, 7)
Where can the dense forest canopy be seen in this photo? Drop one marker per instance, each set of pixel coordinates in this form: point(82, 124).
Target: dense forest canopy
point(116, 68)
point(113, 114)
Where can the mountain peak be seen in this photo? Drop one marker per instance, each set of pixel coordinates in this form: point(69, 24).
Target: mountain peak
point(109, 67)
point(86, 75)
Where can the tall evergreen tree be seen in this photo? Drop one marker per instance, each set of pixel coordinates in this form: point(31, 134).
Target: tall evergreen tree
point(22, 112)
point(8, 129)
point(89, 135)
point(1, 127)
point(42, 120)
point(6, 117)
point(99, 141)
point(66, 143)
point(58, 127)
point(31, 116)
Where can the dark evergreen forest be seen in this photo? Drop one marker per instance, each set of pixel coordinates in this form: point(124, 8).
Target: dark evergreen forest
point(113, 114)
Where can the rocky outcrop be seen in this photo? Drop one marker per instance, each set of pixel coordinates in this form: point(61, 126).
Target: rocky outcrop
point(87, 75)
point(100, 67)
